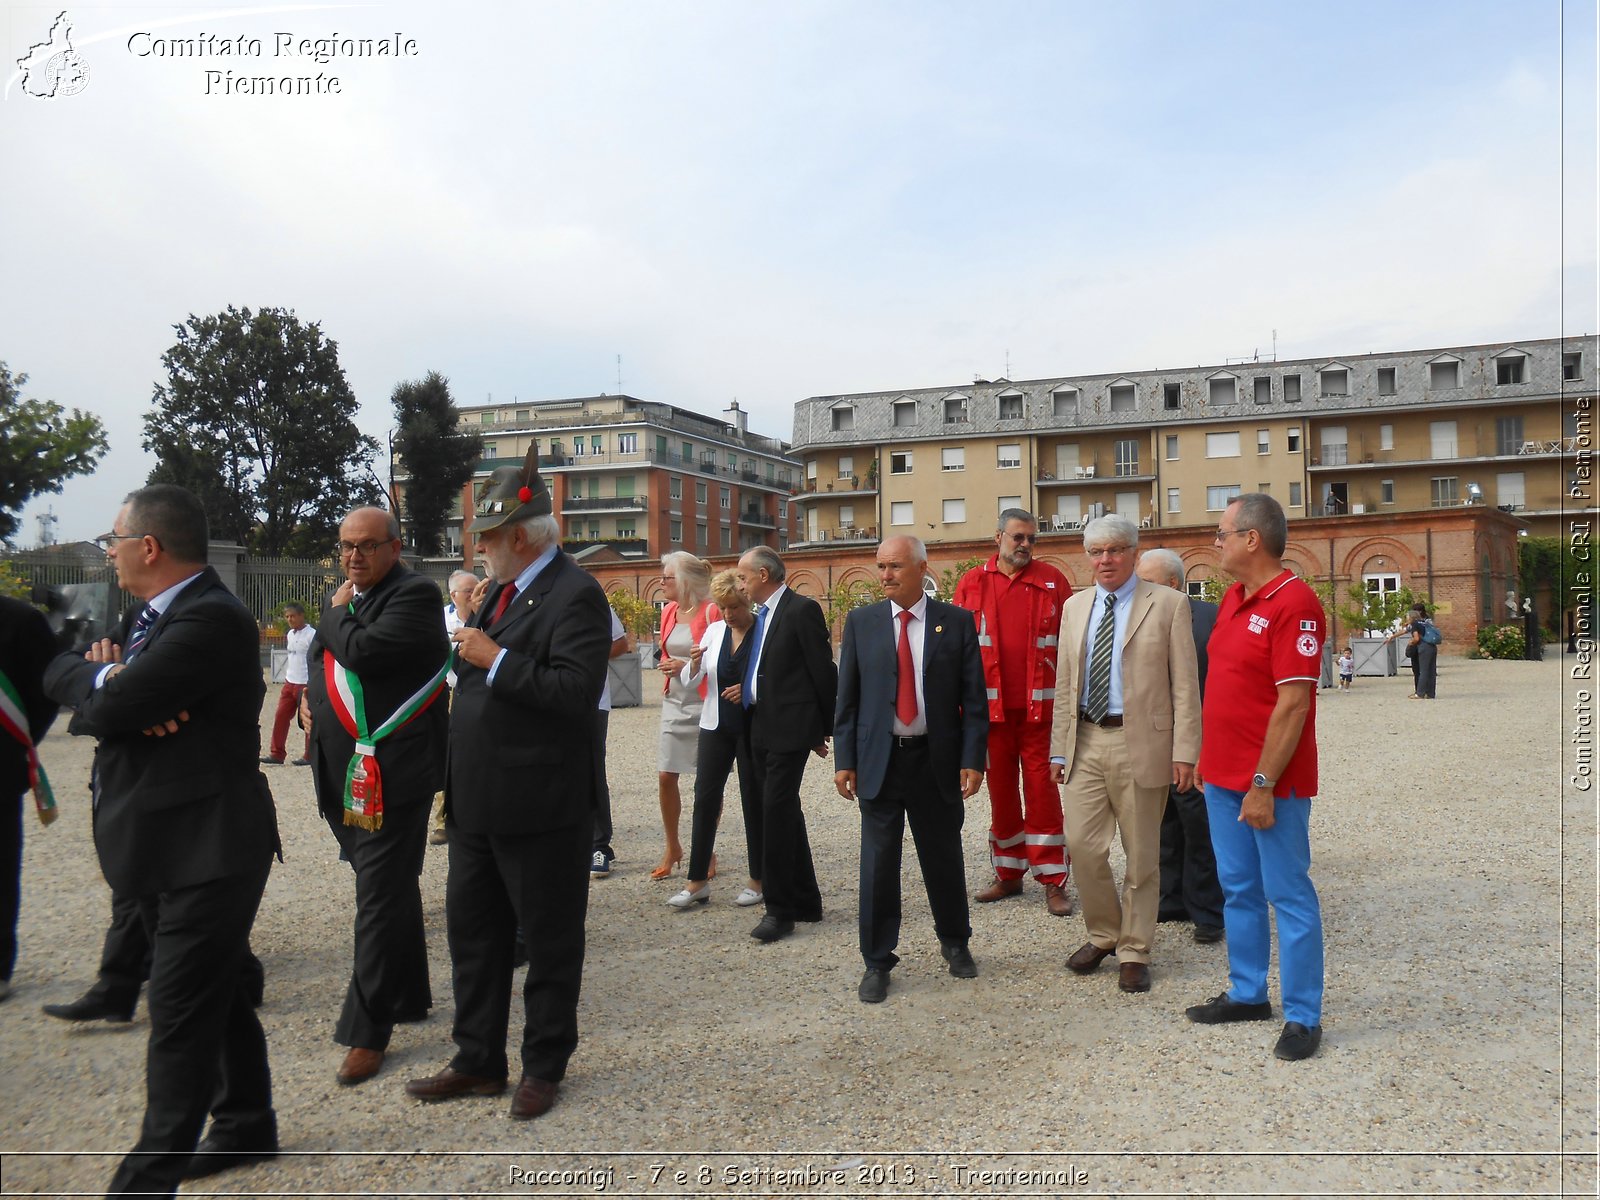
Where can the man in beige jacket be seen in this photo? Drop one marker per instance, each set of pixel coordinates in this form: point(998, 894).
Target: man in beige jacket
point(1126, 728)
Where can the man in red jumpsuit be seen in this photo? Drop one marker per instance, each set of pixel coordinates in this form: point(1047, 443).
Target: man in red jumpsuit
point(1017, 603)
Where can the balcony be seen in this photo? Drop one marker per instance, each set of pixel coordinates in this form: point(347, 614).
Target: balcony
point(605, 504)
point(754, 516)
point(846, 534)
point(842, 489)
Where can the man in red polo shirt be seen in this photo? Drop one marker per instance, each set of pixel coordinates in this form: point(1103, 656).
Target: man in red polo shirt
point(1018, 603)
point(1258, 759)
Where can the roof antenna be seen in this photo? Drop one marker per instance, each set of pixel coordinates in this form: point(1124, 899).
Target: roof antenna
point(619, 374)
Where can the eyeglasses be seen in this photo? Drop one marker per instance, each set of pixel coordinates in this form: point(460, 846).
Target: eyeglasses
point(106, 540)
point(365, 549)
point(1222, 534)
point(1020, 538)
point(1108, 552)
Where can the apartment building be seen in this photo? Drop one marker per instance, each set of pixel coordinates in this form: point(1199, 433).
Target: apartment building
point(1503, 425)
point(634, 479)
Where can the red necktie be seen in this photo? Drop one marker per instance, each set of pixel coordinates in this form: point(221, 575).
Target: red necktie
point(905, 691)
point(506, 596)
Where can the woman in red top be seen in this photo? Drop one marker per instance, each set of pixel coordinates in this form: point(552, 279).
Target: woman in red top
point(686, 583)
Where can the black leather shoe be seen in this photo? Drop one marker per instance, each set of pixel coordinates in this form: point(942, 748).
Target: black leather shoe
point(874, 986)
point(214, 1155)
point(90, 1008)
point(1297, 1042)
point(960, 960)
point(771, 928)
point(1206, 934)
point(270, 761)
point(1221, 1010)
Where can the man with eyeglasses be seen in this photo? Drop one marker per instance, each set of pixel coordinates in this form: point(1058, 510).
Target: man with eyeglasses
point(1129, 731)
point(1258, 764)
point(378, 732)
point(1017, 602)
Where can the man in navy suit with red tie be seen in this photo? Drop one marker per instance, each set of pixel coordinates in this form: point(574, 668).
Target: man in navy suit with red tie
point(910, 737)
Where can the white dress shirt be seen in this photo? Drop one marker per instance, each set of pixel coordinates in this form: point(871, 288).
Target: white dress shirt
point(916, 628)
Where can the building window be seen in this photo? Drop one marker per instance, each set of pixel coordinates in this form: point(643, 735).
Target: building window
point(1386, 378)
point(905, 414)
point(1443, 375)
point(1124, 397)
point(954, 512)
point(700, 535)
point(575, 527)
point(1171, 397)
point(1442, 438)
point(955, 410)
point(1294, 495)
point(522, 414)
point(1172, 447)
point(725, 497)
point(727, 539)
point(1385, 437)
point(1335, 381)
point(1509, 369)
point(1064, 402)
point(1011, 406)
point(1510, 489)
point(953, 458)
point(1386, 491)
point(1127, 456)
point(594, 529)
point(1292, 440)
point(1508, 435)
point(594, 443)
point(1008, 502)
point(688, 452)
point(900, 462)
point(675, 487)
point(579, 449)
point(1445, 491)
point(1572, 365)
point(625, 529)
point(625, 486)
point(1222, 390)
point(1173, 502)
point(700, 492)
point(1263, 441)
point(1008, 454)
point(847, 515)
point(843, 418)
point(1335, 446)
point(1219, 496)
point(1222, 445)
point(1263, 389)
point(1264, 488)
point(486, 418)
point(491, 450)
point(847, 466)
point(900, 512)
point(1291, 389)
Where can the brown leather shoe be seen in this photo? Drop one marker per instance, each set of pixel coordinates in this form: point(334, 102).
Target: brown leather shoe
point(534, 1098)
point(449, 1083)
point(1134, 977)
point(1087, 958)
point(359, 1066)
point(999, 890)
point(1057, 900)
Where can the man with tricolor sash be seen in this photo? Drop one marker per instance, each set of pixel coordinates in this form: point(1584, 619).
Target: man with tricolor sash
point(26, 647)
point(378, 729)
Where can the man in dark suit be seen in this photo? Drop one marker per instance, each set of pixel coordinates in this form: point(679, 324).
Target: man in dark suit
point(789, 690)
point(911, 734)
point(1189, 887)
point(383, 627)
point(26, 647)
point(530, 666)
point(183, 820)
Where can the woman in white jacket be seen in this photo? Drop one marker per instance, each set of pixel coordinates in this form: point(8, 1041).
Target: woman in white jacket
point(720, 658)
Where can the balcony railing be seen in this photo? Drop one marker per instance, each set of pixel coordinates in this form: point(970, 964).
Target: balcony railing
point(754, 516)
point(600, 503)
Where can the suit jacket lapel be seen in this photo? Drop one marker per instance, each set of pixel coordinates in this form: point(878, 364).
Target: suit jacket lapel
point(525, 602)
point(1075, 633)
point(1143, 601)
point(932, 634)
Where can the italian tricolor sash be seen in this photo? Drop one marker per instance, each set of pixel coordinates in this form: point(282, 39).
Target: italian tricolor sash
point(363, 784)
point(14, 720)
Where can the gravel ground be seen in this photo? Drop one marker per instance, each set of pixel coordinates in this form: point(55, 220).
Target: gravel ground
point(1459, 1056)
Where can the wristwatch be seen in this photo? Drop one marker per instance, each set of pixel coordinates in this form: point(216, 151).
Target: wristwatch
point(1261, 781)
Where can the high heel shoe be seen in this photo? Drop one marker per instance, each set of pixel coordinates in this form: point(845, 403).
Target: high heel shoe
point(665, 869)
point(688, 899)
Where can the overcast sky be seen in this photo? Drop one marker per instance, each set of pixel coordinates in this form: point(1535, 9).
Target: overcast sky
point(766, 201)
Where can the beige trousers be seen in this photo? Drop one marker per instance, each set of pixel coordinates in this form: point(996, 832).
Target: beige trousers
point(1100, 798)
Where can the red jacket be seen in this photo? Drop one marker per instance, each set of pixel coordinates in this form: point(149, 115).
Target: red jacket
point(703, 616)
point(1048, 590)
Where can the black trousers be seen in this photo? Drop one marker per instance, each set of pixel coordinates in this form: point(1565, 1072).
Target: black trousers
point(602, 788)
point(717, 753)
point(788, 875)
point(497, 882)
point(1189, 887)
point(207, 1049)
point(10, 882)
point(909, 794)
point(389, 981)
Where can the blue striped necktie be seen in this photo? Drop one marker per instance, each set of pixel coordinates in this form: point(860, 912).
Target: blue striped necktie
point(147, 617)
point(750, 663)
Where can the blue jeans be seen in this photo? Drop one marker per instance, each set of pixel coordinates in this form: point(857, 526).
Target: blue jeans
point(1258, 867)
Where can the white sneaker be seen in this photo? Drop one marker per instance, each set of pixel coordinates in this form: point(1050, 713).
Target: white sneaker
point(749, 898)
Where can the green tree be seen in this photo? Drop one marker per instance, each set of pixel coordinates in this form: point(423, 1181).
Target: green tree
point(257, 419)
point(638, 616)
point(950, 577)
point(41, 445)
point(1372, 608)
point(845, 597)
point(439, 457)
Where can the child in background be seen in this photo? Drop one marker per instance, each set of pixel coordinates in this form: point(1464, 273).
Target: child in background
point(1347, 669)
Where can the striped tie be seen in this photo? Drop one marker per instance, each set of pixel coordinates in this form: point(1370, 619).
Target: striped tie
point(141, 630)
point(1100, 663)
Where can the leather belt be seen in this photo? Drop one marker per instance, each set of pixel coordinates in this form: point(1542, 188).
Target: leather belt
point(909, 743)
point(1109, 721)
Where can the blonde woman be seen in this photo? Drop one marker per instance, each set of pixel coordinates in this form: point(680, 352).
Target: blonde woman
point(720, 660)
point(686, 583)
